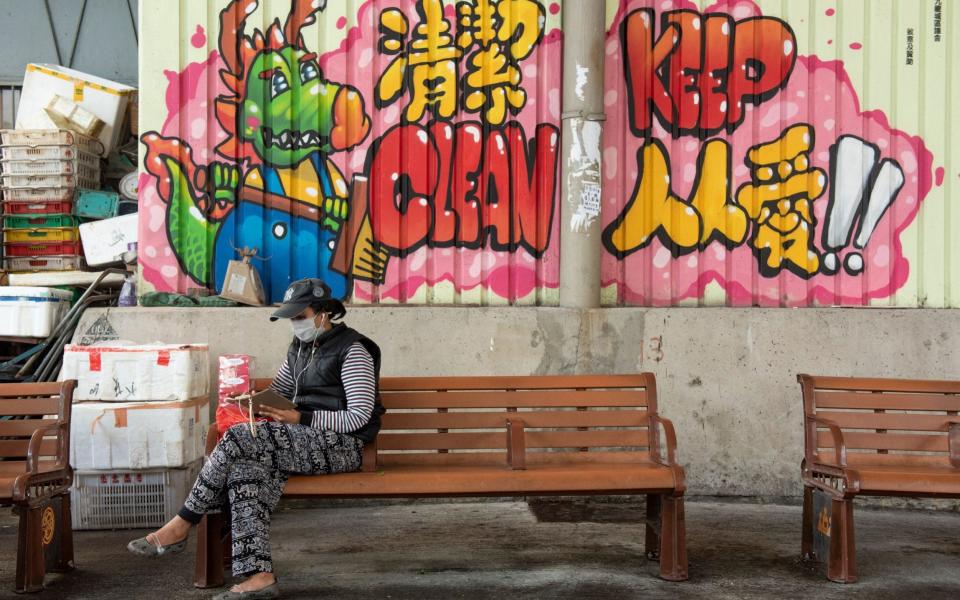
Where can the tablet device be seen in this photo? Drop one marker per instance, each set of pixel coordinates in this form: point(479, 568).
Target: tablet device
point(270, 398)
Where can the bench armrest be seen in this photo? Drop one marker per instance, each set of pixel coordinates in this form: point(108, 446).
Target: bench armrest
point(953, 441)
point(840, 448)
point(33, 448)
point(671, 438)
point(516, 444)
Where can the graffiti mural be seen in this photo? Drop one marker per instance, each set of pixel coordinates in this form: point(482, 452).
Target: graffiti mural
point(411, 157)
point(741, 169)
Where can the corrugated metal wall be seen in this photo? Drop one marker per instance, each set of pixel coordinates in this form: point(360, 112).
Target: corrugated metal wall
point(781, 153)
point(406, 151)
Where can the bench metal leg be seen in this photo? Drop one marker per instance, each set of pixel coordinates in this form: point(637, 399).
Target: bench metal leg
point(210, 552)
point(652, 541)
point(30, 562)
point(64, 560)
point(673, 539)
point(842, 564)
point(806, 539)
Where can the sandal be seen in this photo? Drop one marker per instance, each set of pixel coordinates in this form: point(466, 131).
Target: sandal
point(271, 591)
point(144, 547)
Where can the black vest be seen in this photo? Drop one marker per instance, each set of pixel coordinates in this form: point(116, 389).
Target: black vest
point(316, 368)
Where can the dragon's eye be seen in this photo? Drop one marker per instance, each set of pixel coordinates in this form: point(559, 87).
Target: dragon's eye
point(309, 71)
point(278, 84)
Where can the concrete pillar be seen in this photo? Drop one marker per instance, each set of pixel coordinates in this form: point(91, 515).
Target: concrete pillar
point(584, 28)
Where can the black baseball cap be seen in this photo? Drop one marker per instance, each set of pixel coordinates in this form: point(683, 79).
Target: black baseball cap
point(300, 295)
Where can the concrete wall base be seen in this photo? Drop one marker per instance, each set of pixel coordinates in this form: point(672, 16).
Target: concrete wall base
point(727, 377)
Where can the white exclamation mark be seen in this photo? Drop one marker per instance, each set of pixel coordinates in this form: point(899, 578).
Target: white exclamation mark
point(851, 162)
point(883, 192)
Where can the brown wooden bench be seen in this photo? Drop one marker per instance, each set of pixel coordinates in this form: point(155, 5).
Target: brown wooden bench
point(35, 476)
point(873, 437)
point(528, 436)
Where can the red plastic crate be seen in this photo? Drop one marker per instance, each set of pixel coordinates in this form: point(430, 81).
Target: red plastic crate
point(52, 249)
point(38, 208)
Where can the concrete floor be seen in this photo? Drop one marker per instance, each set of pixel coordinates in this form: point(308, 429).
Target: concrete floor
point(510, 550)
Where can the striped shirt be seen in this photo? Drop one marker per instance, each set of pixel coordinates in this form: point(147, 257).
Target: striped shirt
point(359, 385)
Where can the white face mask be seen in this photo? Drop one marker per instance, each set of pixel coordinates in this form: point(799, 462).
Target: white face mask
point(305, 330)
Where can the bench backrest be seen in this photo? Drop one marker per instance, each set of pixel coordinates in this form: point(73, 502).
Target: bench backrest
point(885, 421)
point(27, 407)
point(463, 420)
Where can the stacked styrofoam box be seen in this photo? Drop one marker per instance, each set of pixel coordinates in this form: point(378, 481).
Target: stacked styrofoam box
point(41, 171)
point(140, 417)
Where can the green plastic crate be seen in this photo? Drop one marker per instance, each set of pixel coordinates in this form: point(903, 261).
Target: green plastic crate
point(37, 221)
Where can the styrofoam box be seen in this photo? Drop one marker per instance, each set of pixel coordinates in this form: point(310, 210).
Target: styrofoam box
point(105, 99)
point(105, 241)
point(31, 311)
point(129, 499)
point(117, 372)
point(138, 435)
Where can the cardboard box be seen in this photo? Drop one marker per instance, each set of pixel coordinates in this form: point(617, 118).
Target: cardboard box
point(118, 372)
point(106, 100)
point(138, 435)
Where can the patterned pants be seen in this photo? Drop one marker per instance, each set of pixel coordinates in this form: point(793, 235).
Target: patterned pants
point(251, 472)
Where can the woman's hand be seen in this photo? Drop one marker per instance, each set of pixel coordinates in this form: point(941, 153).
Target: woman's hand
point(280, 415)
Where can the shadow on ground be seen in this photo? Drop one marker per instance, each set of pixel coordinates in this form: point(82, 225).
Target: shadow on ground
point(547, 549)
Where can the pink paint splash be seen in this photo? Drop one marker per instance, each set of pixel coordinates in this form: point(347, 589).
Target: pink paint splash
point(938, 176)
point(199, 39)
point(819, 93)
point(856, 46)
point(190, 117)
point(830, 12)
point(341, 22)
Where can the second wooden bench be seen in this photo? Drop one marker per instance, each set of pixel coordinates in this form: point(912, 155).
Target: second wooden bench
point(508, 436)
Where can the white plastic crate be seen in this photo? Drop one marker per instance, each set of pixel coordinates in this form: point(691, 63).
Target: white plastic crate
point(129, 499)
point(50, 167)
point(138, 435)
point(49, 181)
point(36, 264)
point(50, 137)
point(50, 153)
point(31, 311)
point(53, 194)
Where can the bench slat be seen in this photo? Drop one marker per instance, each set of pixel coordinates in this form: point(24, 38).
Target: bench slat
point(887, 441)
point(23, 427)
point(18, 448)
point(519, 399)
point(877, 384)
point(534, 439)
point(537, 457)
point(889, 421)
point(29, 406)
point(869, 400)
point(526, 382)
point(532, 419)
point(30, 389)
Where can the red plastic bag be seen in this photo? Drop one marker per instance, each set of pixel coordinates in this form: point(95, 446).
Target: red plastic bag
point(234, 389)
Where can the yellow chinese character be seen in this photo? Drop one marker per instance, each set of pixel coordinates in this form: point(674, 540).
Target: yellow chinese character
point(506, 31)
point(426, 67)
point(780, 202)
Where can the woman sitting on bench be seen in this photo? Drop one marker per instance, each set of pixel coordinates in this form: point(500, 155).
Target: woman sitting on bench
point(331, 374)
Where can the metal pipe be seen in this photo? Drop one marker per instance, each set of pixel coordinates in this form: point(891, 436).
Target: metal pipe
point(584, 29)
